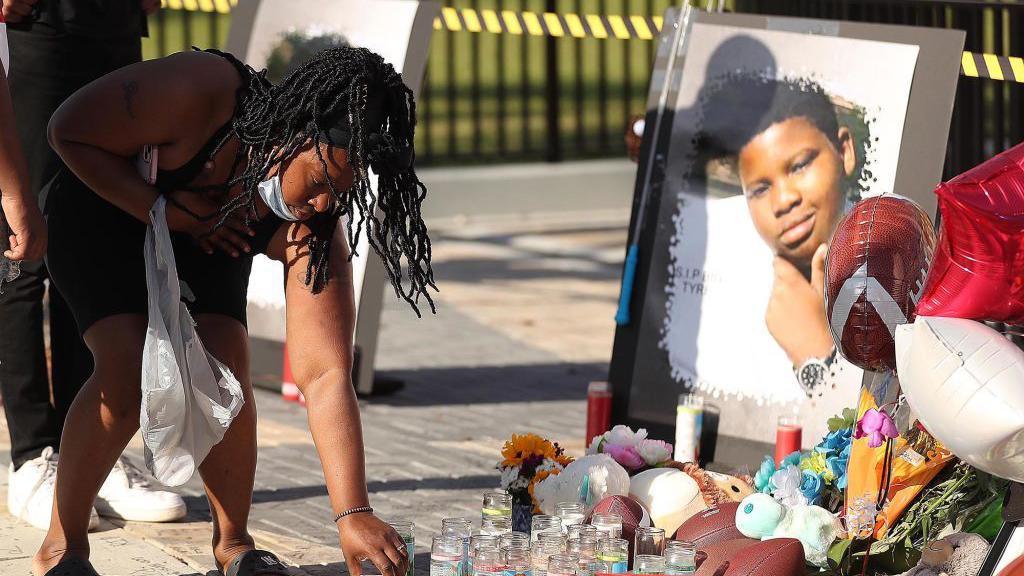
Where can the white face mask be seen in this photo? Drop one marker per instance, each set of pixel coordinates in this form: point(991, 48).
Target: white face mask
point(273, 196)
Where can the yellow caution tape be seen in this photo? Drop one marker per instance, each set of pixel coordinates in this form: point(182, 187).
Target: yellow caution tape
point(219, 6)
point(972, 64)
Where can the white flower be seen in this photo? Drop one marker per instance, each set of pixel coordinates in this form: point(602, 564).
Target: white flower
point(595, 445)
point(654, 451)
point(508, 476)
point(624, 436)
point(787, 486)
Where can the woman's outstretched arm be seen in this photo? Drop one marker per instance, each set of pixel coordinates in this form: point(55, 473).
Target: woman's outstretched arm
point(320, 332)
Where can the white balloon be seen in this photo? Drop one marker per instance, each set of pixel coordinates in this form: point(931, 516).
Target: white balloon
point(966, 383)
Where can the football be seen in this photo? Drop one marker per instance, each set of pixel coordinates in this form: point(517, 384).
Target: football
point(711, 526)
point(775, 557)
point(875, 272)
point(633, 515)
point(715, 557)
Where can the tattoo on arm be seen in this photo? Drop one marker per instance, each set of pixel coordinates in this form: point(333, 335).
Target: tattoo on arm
point(130, 89)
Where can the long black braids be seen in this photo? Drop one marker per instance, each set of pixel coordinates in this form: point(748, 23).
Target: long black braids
point(355, 90)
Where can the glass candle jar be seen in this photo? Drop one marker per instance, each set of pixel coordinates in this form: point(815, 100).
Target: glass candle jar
point(649, 541)
point(496, 525)
point(613, 556)
point(496, 503)
point(446, 556)
point(585, 548)
point(571, 513)
point(649, 564)
point(680, 557)
point(609, 524)
point(517, 562)
point(542, 523)
point(563, 565)
point(407, 531)
point(543, 550)
point(517, 540)
point(486, 560)
point(461, 528)
point(554, 538)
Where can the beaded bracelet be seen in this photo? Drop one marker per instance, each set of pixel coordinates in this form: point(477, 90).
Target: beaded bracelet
point(352, 511)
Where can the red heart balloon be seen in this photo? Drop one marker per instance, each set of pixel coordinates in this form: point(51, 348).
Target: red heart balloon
point(978, 271)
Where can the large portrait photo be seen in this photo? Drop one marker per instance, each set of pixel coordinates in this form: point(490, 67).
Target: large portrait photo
point(774, 136)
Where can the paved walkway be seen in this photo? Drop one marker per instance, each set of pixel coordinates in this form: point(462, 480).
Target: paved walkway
point(524, 323)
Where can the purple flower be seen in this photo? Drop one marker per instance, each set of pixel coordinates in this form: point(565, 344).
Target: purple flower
point(627, 456)
point(877, 426)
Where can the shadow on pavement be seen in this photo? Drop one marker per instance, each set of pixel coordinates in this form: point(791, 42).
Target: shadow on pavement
point(491, 384)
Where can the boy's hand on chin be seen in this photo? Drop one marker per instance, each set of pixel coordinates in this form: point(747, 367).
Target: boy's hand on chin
point(796, 310)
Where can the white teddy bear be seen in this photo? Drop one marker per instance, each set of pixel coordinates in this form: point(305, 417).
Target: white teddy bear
point(589, 479)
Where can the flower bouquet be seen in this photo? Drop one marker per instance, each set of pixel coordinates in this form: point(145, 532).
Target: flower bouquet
point(817, 477)
point(526, 460)
point(634, 451)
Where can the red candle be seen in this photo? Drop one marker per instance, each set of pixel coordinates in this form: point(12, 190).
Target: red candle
point(788, 437)
point(599, 409)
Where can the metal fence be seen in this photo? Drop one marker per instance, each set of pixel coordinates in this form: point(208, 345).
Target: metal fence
point(987, 114)
point(509, 98)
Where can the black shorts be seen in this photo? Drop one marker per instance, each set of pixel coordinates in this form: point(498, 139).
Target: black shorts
point(95, 257)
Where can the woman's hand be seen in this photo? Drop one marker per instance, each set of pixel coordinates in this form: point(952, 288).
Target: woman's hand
point(796, 310)
point(198, 216)
point(363, 536)
point(27, 229)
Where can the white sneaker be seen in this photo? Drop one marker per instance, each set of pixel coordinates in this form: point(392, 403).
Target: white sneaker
point(30, 491)
point(128, 495)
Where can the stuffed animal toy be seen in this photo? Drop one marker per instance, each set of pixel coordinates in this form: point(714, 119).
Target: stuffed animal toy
point(958, 554)
point(761, 516)
point(715, 488)
point(589, 479)
point(670, 496)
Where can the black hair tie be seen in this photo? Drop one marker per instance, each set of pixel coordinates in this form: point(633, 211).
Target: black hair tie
point(387, 156)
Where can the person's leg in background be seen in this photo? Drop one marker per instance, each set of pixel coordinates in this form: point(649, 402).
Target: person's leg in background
point(47, 66)
point(34, 424)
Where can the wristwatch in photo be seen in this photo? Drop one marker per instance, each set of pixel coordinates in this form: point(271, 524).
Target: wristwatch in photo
point(814, 373)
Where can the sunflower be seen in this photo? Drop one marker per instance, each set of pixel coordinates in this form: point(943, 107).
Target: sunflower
point(523, 446)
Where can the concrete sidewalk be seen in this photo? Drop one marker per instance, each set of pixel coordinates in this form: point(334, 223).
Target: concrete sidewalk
point(524, 323)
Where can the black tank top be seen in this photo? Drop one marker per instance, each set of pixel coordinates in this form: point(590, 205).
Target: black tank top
point(179, 178)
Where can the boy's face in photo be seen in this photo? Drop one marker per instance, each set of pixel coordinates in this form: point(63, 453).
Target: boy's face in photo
point(793, 177)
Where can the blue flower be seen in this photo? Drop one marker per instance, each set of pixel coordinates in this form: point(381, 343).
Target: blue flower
point(810, 486)
point(835, 442)
point(837, 466)
point(791, 460)
point(762, 479)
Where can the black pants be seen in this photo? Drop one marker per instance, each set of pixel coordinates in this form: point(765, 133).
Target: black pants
point(47, 66)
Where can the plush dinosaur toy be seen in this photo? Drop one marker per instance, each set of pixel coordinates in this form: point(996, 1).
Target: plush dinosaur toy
point(761, 516)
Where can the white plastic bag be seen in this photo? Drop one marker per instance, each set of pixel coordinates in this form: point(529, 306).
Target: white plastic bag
point(188, 397)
